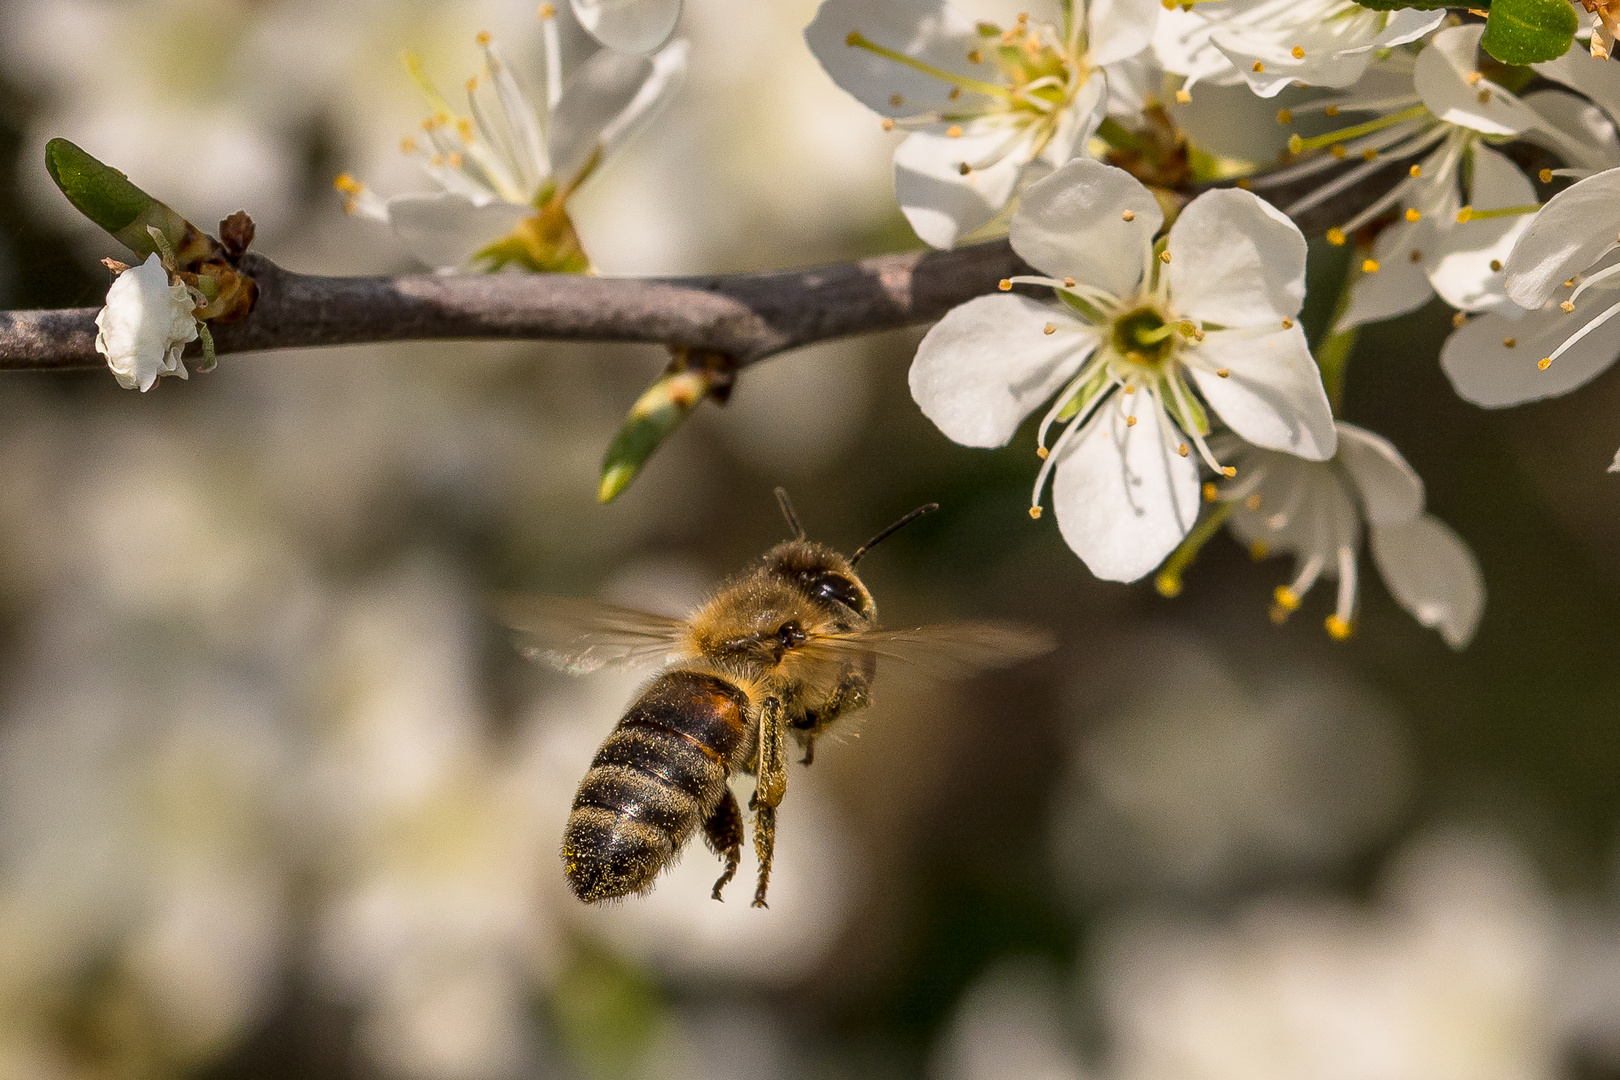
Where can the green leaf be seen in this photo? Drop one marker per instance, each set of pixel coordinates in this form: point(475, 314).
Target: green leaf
point(1529, 31)
point(105, 196)
point(1421, 5)
point(662, 408)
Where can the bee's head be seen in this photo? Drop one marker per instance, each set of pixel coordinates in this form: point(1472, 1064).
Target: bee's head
point(823, 575)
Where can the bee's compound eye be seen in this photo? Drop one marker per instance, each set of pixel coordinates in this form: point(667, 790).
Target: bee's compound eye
point(836, 587)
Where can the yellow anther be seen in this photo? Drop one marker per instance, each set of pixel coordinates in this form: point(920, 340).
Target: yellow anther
point(1259, 550)
point(1416, 256)
point(1279, 615)
point(454, 159)
point(1458, 318)
point(1508, 342)
point(347, 184)
point(1049, 328)
point(407, 145)
point(1169, 585)
point(1496, 264)
point(1183, 97)
point(1183, 449)
point(954, 131)
point(548, 11)
point(1413, 213)
point(1130, 421)
point(1164, 256)
point(1297, 52)
point(472, 84)
point(1068, 283)
point(1004, 285)
point(956, 92)
point(1130, 388)
point(464, 128)
point(1473, 78)
point(1286, 598)
point(1545, 176)
point(1128, 215)
point(1484, 96)
point(1338, 629)
point(1331, 110)
point(1415, 171)
point(1288, 324)
point(1211, 492)
point(1369, 266)
point(1567, 306)
point(1258, 66)
point(1369, 154)
point(1252, 503)
point(1338, 151)
point(1570, 284)
point(1544, 363)
point(1042, 452)
point(1285, 116)
point(897, 100)
point(1035, 513)
point(964, 168)
point(482, 37)
point(976, 56)
point(1225, 373)
point(1243, 183)
point(1295, 144)
point(888, 124)
point(1464, 214)
point(1187, 328)
point(1229, 471)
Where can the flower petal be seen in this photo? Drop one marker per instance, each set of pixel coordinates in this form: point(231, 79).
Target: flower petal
point(1236, 260)
point(1072, 224)
point(1273, 394)
point(1432, 574)
point(1119, 29)
point(928, 30)
point(636, 26)
point(1124, 499)
point(606, 101)
point(1460, 260)
point(1585, 136)
point(1442, 75)
point(1596, 80)
point(989, 363)
point(1391, 490)
point(1486, 371)
point(1568, 235)
point(446, 230)
point(942, 203)
point(1401, 282)
point(144, 325)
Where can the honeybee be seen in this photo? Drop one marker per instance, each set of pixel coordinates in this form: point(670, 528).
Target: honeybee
point(783, 651)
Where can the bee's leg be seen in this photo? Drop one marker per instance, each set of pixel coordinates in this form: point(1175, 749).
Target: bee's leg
point(724, 833)
point(772, 785)
point(852, 694)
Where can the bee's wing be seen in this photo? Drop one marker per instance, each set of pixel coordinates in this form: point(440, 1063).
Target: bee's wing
point(578, 636)
point(946, 650)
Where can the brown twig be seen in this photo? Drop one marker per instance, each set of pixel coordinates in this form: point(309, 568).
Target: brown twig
point(747, 317)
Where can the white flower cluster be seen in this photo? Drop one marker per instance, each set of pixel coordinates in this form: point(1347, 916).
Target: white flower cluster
point(1153, 344)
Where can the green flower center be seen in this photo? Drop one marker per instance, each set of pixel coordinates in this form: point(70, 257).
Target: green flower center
point(1143, 337)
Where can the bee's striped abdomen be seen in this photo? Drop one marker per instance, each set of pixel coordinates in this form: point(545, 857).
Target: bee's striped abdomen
point(657, 777)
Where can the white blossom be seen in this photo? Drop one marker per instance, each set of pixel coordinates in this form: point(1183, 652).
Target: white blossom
point(1315, 511)
point(1439, 110)
point(145, 325)
point(1133, 323)
point(987, 108)
point(1272, 43)
point(637, 26)
point(506, 169)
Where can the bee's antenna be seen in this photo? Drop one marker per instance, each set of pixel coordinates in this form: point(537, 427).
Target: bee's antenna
point(792, 518)
point(891, 530)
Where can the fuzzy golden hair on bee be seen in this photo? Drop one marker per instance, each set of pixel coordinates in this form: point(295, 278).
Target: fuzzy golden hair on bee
point(781, 653)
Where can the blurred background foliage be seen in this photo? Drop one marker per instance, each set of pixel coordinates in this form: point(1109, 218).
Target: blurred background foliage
point(279, 798)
